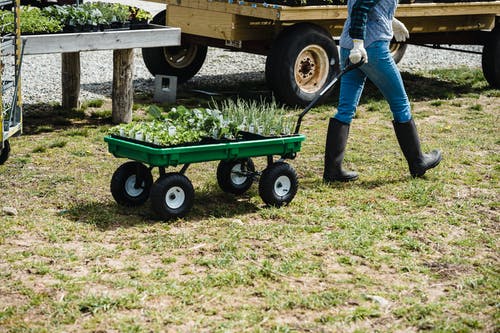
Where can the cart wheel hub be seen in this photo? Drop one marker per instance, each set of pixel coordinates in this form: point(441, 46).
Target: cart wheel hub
point(237, 175)
point(175, 197)
point(282, 186)
point(131, 189)
point(311, 68)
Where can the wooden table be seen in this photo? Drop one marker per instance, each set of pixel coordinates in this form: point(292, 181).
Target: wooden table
point(122, 42)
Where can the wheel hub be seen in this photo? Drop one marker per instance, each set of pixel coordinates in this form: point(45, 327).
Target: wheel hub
point(311, 68)
point(282, 186)
point(180, 56)
point(237, 175)
point(175, 197)
point(131, 189)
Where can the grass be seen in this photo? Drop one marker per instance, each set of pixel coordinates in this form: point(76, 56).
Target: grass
point(386, 253)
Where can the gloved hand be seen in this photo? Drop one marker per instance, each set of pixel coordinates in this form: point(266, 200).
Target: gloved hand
point(399, 30)
point(358, 52)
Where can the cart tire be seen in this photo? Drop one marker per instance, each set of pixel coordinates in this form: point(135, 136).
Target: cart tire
point(303, 59)
point(4, 152)
point(123, 184)
point(183, 61)
point(235, 177)
point(278, 184)
point(172, 196)
point(491, 58)
point(398, 50)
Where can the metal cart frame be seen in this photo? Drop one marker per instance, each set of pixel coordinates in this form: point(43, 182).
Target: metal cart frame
point(11, 116)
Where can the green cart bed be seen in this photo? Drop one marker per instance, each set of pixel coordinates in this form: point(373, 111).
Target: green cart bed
point(172, 194)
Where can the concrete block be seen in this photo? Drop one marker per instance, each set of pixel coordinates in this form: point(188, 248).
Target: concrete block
point(165, 89)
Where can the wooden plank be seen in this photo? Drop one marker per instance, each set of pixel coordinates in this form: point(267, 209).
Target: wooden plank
point(201, 22)
point(448, 9)
point(449, 23)
point(107, 40)
point(306, 13)
point(257, 10)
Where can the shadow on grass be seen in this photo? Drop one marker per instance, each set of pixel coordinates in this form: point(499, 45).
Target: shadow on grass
point(49, 117)
point(110, 215)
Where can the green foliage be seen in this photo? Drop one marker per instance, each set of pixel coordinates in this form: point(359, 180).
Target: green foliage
point(182, 125)
point(87, 16)
point(33, 20)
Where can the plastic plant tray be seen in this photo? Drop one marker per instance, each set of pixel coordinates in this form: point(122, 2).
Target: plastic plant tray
point(285, 146)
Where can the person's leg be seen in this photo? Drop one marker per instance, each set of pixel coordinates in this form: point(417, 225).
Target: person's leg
point(384, 74)
point(382, 71)
point(351, 87)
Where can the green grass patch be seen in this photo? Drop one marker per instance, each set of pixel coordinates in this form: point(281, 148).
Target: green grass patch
point(386, 253)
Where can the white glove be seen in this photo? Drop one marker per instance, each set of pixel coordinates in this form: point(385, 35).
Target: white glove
point(399, 30)
point(358, 52)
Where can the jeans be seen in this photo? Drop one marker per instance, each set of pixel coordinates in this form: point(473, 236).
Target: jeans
point(383, 72)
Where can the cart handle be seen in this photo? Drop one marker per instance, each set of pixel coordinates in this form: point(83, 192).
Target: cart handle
point(349, 66)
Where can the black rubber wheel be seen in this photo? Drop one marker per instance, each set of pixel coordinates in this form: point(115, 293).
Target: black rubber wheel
point(491, 58)
point(124, 186)
point(303, 59)
point(397, 51)
point(4, 152)
point(172, 196)
point(278, 184)
point(183, 61)
point(235, 177)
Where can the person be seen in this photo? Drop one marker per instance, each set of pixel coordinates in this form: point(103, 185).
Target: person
point(366, 35)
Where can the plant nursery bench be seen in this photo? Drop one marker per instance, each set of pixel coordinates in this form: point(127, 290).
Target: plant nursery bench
point(122, 42)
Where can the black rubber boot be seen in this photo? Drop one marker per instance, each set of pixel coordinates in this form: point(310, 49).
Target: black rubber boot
point(336, 141)
point(408, 140)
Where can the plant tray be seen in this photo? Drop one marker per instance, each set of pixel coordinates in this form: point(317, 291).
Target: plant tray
point(209, 150)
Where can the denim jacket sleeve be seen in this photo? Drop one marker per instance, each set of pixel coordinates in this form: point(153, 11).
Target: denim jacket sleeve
point(359, 16)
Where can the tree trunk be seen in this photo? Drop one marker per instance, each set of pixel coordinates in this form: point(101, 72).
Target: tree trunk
point(122, 95)
point(70, 80)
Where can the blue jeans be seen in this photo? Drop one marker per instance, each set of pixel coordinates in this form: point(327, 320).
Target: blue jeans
point(382, 71)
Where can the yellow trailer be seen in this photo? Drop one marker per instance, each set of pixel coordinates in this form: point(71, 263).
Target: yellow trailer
point(300, 42)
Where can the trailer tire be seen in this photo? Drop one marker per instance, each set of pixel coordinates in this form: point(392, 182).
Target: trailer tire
point(398, 50)
point(4, 152)
point(303, 59)
point(123, 184)
point(278, 184)
point(172, 196)
point(182, 61)
point(491, 58)
point(235, 177)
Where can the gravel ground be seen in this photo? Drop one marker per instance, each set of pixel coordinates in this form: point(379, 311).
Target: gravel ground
point(42, 73)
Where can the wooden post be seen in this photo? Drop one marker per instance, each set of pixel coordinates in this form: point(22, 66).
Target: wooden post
point(122, 94)
point(70, 80)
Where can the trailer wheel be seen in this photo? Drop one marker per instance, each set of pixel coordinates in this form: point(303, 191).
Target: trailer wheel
point(398, 50)
point(4, 152)
point(126, 185)
point(303, 59)
point(183, 61)
point(172, 196)
point(235, 177)
point(491, 58)
point(278, 184)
